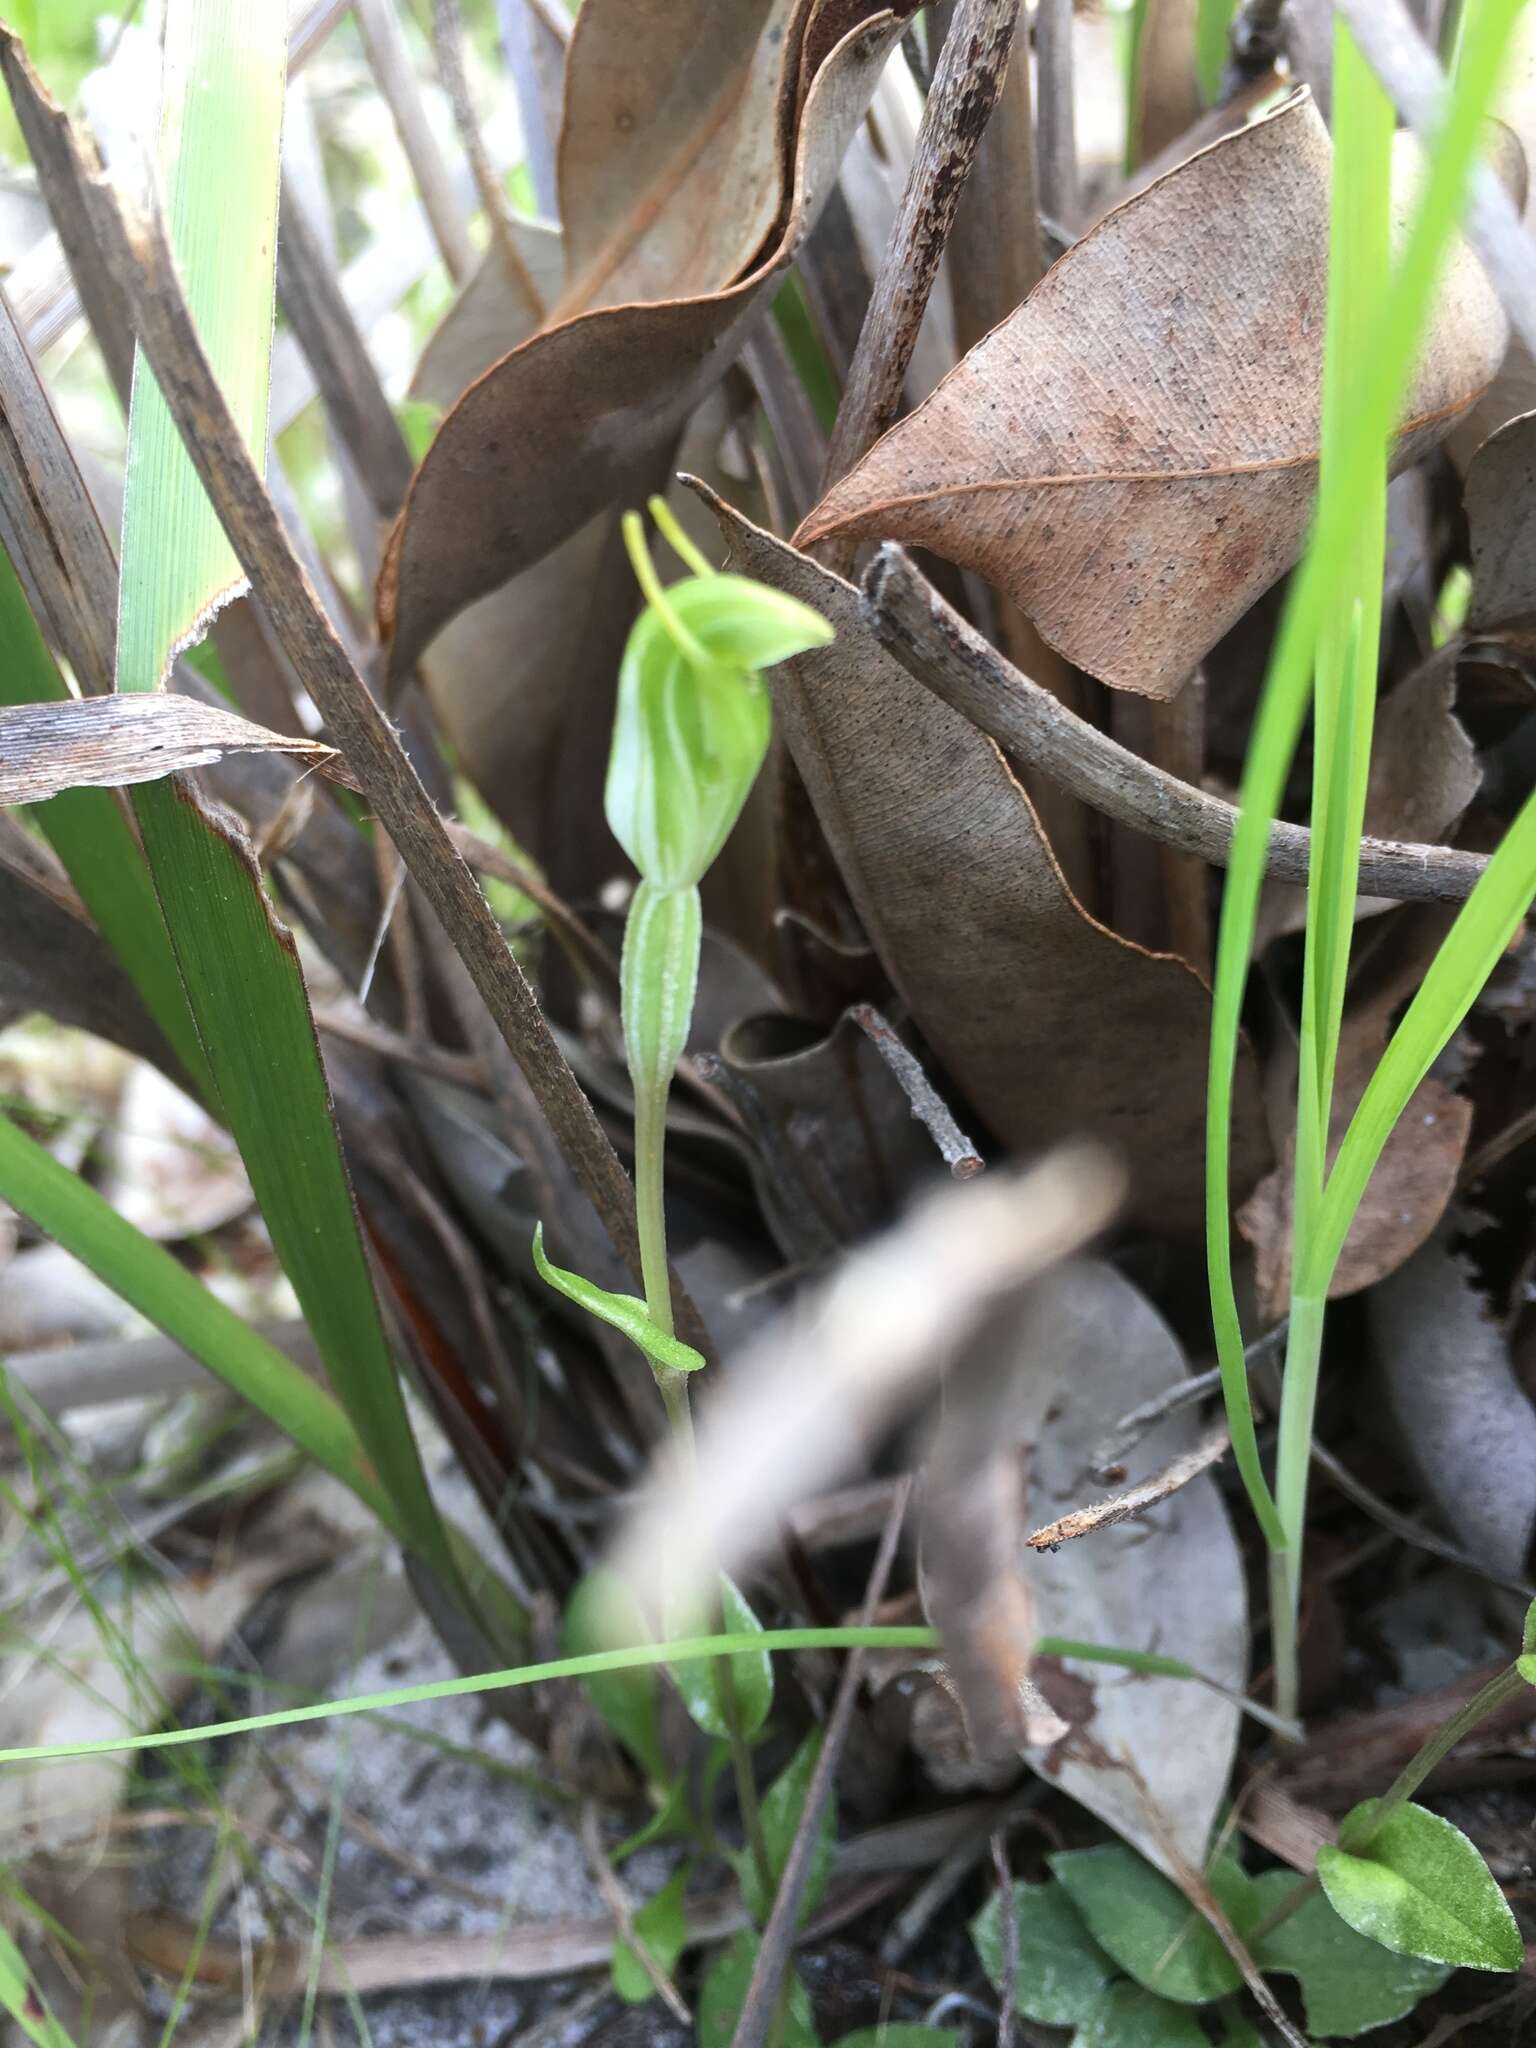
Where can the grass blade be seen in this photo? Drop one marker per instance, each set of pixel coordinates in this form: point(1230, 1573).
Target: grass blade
point(154, 1282)
point(221, 123)
point(1315, 591)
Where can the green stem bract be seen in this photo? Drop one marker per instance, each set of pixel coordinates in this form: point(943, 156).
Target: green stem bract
point(1377, 403)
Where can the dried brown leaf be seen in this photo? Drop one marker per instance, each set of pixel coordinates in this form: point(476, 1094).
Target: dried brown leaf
point(1148, 1755)
point(1500, 499)
point(568, 422)
point(1455, 1406)
point(108, 742)
point(1407, 1194)
point(1050, 1024)
point(1132, 456)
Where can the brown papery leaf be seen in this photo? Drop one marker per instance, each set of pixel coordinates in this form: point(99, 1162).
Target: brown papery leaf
point(568, 422)
point(1456, 1409)
point(1132, 456)
point(1052, 1025)
point(1500, 498)
point(672, 161)
point(108, 742)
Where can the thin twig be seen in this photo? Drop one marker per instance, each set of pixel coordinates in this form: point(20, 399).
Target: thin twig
point(141, 260)
point(937, 647)
point(1133, 1426)
point(526, 44)
point(1405, 1528)
point(1408, 68)
point(761, 2001)
point(389, 59)
point(448, 42)
point(928, 1106)
point(1174, 1476)
point(617, 1900)
point(1008, 1993)
point(350, 389)
point(966, 83)
point(1056, 118)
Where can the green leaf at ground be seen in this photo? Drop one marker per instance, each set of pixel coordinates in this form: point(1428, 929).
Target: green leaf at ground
point(1126, 2016)
point(1348, 1983)
point(782, 1806)
point(1147, 1925)
point(662, 1924)
point(626, 1313)
point(725, 1987)
point(600, 1615)
point(1061, 1971)
point(1420, 1888)
point(751, 1673)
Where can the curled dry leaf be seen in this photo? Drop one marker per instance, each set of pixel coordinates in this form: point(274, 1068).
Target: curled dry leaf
point(1132, 456)
point(1456, 1409)
point(1051, 1024)
point(1500, 499)
point(108, 742)
point(1149, 1755)
point(559, 428)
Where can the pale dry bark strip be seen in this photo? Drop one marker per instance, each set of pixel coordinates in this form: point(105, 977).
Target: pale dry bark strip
point(967, 81)
point(448, 45)
point(937, 647)
point(140, 259)
point(1135, 1500)
point(1055, 122)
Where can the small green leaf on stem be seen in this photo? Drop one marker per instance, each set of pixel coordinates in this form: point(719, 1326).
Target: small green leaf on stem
point(625, 1312)
point(751, 1671)
point(1528, 1633)
point(1419, 1887)
point(662, 1924)
point(782, 1807)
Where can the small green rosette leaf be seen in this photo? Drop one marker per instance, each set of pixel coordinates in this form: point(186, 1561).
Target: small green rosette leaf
point(624, 1312)
point(1350, 1985)
point(1419, 1887)
point(1062, 1972)
point(782, 1807)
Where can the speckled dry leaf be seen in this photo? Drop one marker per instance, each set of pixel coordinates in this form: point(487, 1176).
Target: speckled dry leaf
point(1051, 1025)
point(671, 150)
point(1132, 455)
point(1500, 499)
point(1148, 1755)
point(1454, 1405)
point(569, 422)
point(109, 742)
point(1405, 1197)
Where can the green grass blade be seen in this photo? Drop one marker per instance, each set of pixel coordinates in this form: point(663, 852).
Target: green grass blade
point(685, 1650)
point(221, 122)
point(1213, 29)
point(88, 829)
point(1315, 591)
point(1352, 475)
point(154, 1282)
point(1473, 947)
